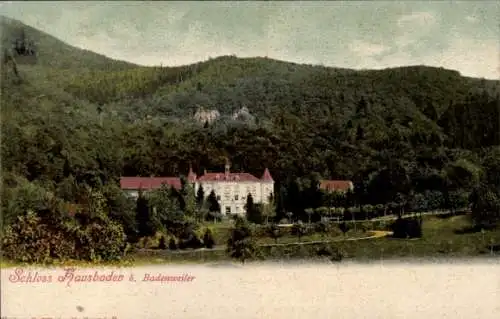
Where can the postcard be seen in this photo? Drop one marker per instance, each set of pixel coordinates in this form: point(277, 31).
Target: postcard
point(249, 159)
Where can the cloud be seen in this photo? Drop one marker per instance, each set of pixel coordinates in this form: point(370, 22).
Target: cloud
point(475, 58)
point(363, 48)
point(416, 19)
point(471, 19)
point(371, 36)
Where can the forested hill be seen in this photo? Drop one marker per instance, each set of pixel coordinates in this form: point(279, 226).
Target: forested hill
point(54, 53)
point(74, 115)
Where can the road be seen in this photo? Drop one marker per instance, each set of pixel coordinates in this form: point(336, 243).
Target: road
point(393, 217)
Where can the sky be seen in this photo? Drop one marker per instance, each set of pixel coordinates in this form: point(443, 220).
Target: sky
point(462, 36)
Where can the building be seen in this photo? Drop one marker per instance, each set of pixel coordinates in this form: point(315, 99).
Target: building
point(230, 188)
point(336, 186)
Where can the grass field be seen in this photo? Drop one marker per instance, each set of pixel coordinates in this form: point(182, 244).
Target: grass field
point(442, 237)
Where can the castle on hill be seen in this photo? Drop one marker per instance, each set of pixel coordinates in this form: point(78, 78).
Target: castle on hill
point(231, 189)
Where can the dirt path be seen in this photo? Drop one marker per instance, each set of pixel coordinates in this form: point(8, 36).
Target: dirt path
point(375, 234)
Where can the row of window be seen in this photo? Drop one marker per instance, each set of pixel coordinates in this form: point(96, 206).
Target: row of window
point(236, 189)
point(236, 197)
point(228, 210)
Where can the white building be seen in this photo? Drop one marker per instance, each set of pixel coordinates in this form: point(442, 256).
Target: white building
point(230, 188)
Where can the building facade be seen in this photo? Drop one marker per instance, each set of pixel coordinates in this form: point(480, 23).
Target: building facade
point(231, 189)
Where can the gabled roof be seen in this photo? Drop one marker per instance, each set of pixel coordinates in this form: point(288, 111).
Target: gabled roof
point(331, 185)
point(267, 176)
point(237, 177)
point(147, 183)
point(191, 175)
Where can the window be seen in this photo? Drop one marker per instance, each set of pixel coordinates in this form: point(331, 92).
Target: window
point(218, 197)
point(228, 210)
point(236, 197)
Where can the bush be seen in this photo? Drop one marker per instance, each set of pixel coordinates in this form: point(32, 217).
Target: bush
point(274, 232)
point(171, 244)
point(298, 230)
point(208, 239)
point(366, 226)
point(321, 227)
point(240, 245)
point(100, 240)
point(30, 240)
point(333, 253)
point(192, 242)
point(259, 231)
point(162, 245)
point(407, 228)
point(38, 240)
point(344, 227)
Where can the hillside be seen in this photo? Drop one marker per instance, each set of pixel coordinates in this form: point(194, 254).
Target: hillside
point(53, 53)
point(75, 116)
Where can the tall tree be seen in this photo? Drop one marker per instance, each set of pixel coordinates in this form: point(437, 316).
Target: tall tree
point(213, 204)
point(143, 217)
point(240, 244)
point(253, 212)
point(188, 198)
point(200, 197)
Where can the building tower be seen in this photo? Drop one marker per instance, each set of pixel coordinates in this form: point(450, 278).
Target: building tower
point(227, 168)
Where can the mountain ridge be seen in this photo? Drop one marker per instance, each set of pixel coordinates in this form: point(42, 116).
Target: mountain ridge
point(11, 26)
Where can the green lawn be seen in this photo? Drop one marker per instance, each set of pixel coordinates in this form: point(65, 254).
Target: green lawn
point(312, 237)
point(440, 238)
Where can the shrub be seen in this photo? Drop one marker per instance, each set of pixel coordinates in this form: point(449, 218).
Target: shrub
point(192, 242)
point(30, 240)
point(344, 227)
point(240, 244)
point(100, 240)
point(322, 211)
point(274, 232)
point(171, 244)
point(162, 244)
point(208, 239)
point(334, 253)
point(365, 226)
point(321, 227)
point(43, 240)
point(298, 230)
point(407, 228)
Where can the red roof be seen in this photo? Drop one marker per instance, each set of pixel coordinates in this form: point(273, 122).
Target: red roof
point(147, 183)
point(329, 185)
point(237, 177)
point(191, 175)
point(267, 176)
